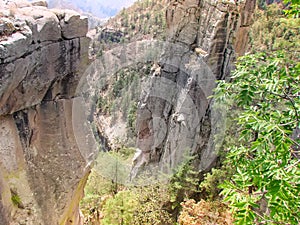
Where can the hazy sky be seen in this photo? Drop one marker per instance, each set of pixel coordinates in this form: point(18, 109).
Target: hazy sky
point(100, 8)
point(119, 4)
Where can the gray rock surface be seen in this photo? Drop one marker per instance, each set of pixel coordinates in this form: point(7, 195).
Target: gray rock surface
point(70, 25)
point(42, 56)
point(175, 116)
point(39, 3)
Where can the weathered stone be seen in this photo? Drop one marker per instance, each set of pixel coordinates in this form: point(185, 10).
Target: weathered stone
point(47, 24)
point(59, 13)
point(39, 3)
point(41, 161)
point(54, 167)
point(5, 203)
point(6, 27)
point(55, 62)
point(15, 45)
point(212, 26)
point(10, 146)
point(18, 4)
point(73, 25)
point(242, 36)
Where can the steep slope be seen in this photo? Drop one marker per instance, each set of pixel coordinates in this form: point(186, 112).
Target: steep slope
point(116, 102)
point(175, 116)
point(143, 20)
point(43, 171)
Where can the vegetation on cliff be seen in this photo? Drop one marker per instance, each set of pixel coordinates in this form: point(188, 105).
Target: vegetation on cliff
point(143, 20)
point(263, 95)
point(265, 157)
point(257, 179)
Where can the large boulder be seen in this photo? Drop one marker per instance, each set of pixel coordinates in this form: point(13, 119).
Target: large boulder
point(73, 25)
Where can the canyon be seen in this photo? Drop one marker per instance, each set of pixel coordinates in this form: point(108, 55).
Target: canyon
point(206, 38)
point(44, 161)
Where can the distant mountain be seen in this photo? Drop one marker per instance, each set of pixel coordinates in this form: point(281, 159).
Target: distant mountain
point(98, 8)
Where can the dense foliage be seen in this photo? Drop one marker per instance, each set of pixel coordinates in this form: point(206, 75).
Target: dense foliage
point(265, 89)
point(110, 200)
point(273, 30)
point(264, 96)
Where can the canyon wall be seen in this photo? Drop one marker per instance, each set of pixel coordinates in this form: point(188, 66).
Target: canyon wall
point(44, 161)
point(175, 116)
point(42, 56)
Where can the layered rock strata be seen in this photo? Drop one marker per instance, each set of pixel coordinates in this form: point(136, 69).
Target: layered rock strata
point(42, 170)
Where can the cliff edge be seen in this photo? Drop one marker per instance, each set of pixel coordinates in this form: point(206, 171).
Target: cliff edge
point(43, 53)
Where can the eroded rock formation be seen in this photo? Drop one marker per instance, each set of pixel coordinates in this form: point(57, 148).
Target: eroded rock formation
point(175, 116)
point(42, 170)
point(44, 163)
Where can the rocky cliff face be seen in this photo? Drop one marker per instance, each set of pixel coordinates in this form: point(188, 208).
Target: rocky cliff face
point(42, 171)
point(44, 158)
point(175, 116)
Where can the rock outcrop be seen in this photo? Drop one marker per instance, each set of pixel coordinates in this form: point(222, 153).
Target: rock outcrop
point(45, 160)
point(175, 116)
point(42, 170)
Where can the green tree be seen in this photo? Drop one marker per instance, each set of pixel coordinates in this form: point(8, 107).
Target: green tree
point(119, 210)
point(293, 8)
point(264, 97)
point(265, 187)
point(131, 117)
point(184, 183)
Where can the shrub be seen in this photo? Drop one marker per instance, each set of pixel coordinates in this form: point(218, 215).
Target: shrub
point(265, 186)
point(204, 213)
point(119, 209)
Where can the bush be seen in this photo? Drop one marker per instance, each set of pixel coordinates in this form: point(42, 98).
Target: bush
point(265, 187)
point(204, 213)
point(119, 209)
point(16, 200)
point(151, 209)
